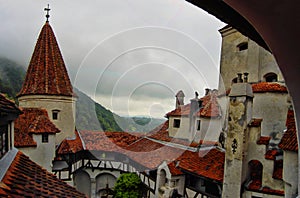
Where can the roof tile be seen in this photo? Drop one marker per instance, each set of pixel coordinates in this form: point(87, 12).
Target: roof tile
point(210, 108)
point(289, 140)
point(32, 121)
point(24, 178)
point(8, 106)
point(70, 145)
point(47, 74)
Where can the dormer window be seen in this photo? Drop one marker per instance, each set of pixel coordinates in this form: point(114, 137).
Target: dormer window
point(242, 46)
point(271, 77)
point(55, 114)
point(45, 138)
point(176, 123)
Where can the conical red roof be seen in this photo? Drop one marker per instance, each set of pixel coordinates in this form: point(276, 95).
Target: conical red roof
point(47, 74)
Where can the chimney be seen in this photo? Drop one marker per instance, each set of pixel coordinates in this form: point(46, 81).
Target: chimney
point(246, 77)
point(207, 91)
point(196, 104)
point(239, 78)
point(179, 99)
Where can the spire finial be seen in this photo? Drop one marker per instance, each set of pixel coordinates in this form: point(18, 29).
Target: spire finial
point(47, 15)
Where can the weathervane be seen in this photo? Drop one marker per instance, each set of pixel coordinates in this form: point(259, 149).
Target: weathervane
point(47, 15)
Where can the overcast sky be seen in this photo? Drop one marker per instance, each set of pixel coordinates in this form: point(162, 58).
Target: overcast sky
point(132, 56)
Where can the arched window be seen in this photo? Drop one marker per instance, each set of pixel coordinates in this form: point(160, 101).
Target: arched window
point(255, 172)
point(271, 77)
point(242, 46)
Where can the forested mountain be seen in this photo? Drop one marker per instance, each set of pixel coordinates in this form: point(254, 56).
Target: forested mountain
point(90, 115)
point(11, 77)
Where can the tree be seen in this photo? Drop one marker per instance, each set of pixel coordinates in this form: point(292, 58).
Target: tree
point(128, 185)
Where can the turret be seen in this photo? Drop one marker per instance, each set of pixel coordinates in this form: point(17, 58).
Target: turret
point(47, 84)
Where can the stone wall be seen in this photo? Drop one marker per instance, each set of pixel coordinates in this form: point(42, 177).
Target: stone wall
point(65, 106)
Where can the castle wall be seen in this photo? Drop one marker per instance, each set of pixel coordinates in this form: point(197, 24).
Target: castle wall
point(44, 153)
point(232, 60)
point(183, 130)
point(254, 59)
point(290, 162)
point(66, 111)
point(210, 129)
point(272, 107)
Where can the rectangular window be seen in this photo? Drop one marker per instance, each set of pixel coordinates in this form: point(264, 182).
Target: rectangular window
point(55, 114)
point(45, 138)
point(198, 125)
point(3, 140)
point(176, 123)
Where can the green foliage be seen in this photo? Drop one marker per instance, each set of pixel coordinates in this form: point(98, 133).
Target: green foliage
point(128, 185)
point(11, 77)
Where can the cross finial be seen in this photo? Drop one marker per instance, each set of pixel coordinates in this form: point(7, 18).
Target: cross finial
point(47, 15)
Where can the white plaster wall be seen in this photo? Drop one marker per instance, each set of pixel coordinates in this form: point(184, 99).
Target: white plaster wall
point(290, 172)
point(210, 129)
point(66, 106)
point(272, 107)
point(183, 130)
point(44, 153)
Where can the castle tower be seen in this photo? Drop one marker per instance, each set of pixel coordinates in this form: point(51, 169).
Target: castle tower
point(240, 106)
point(239, 55)
point(47, 84)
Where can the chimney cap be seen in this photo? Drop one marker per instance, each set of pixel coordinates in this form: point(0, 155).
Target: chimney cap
point(180, 94)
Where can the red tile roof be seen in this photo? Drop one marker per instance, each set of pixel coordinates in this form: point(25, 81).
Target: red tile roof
point(272, 153)
point(24, 178)
point(47, 74)
point(207, 163)
point(268, 87)
point(8, 106)
point(107, 141)
point(210, 108)
point(262, 87)
point(174, 169)
point(32, 121)
point(264, 140)
point(70, 145)
point(289, 140)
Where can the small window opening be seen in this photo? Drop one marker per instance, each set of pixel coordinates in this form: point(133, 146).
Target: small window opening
point(198, 125)
point(242, 46)
point(45, 138)
point(176, 123)
point(55, 114)
point(271, 77)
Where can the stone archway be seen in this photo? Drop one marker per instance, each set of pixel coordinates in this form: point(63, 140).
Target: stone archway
point(82, 182)
point(104, 184)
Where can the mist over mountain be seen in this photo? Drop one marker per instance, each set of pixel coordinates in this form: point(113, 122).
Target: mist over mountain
point(90, 115)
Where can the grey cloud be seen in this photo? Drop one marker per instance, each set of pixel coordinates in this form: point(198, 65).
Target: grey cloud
point(97, 34)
